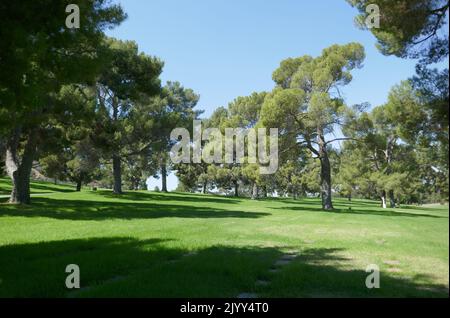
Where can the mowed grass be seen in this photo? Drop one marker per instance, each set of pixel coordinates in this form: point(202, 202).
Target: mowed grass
point(146, 244)
point(37, 188)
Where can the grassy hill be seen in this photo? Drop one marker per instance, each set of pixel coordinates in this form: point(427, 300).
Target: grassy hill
point(146, 244)
point(37, 187)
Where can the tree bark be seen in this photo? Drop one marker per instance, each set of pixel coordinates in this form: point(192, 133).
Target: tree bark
point(264, 192)
point(117, 164)
point(20, 172)
point(392, 202)
point(325, 178)
point(236, 189)
point(255, 191)
point(79, 183)
point(383, 199)
point(325, 173)
point(164, 177)
point(204, 187)
point(388, 153)
point(117, 174)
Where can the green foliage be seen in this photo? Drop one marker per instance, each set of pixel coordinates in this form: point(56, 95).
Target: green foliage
point(244, 110)
point(53, 166)
point(392, 151)
point(409, 28)
point(130, 77)
point(432, 89)
point(38, 59)
point(304, 104)
point(191, 175)
point(47, 55)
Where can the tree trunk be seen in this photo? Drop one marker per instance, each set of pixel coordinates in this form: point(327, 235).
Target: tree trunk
point(164, 177)
point(391, 199)
point(255, 191)
point(204, 187)
point(236, 189)
point(325, 173)
point(389, 170)
point(264, 192)
point(383, 199)
point(117, 173)
point(79, 182)
point(137, 183)
point(20, 172)
point(325, 182)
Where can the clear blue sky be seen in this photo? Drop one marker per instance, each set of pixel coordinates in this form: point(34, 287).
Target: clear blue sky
point(228, 48)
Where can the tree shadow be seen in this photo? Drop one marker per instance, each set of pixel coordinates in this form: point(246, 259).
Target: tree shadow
point(305, 201)
point(442, 208)
point(127, 267)
point(377, 212)
point(96, 210)
point(173, 196)
point(38, 187)
point(323, 272)
point(51, 187)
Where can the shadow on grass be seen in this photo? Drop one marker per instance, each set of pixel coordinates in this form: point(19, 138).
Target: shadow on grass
point(356, 211)
point(306, 201)
point(323, 272)
point(51, 187)
point(127, 267)
point(441, 208)
point(96, 210)
point(36, 185)
point(172, 196)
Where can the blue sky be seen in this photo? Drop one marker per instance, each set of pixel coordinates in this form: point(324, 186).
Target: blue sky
point(228, 48)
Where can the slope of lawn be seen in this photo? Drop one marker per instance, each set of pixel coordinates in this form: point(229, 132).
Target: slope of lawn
point(147, 244)
point(37, 188)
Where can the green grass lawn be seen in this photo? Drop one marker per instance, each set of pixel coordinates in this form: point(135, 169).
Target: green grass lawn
point(146, 244)
point(37, 188)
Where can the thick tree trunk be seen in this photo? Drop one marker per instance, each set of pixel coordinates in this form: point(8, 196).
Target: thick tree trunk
point(255, 191)
point(383, 199)
point(117, 174)
point(20, 172)
point(325, 173)
point(164, 177)
point(236, 189)
point(391, 199)
point(325, 182)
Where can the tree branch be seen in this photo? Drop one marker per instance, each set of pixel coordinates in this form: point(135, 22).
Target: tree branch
point(343, 138)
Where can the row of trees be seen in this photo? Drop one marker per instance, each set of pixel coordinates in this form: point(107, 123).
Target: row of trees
point(79, 106)
point(397, 152)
